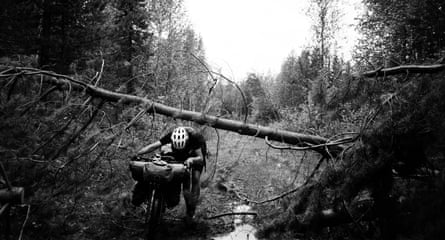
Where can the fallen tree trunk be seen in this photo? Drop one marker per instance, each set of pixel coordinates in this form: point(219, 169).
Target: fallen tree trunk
point(240, 127)
point(243, 128)
point(213, 121)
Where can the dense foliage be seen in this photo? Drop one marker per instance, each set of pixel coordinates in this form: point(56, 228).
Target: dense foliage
point(398, 32)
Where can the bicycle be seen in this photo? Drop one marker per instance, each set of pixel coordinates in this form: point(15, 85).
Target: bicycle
point(158, 173)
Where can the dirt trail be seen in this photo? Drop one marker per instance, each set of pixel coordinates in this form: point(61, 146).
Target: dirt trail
point(246, 166)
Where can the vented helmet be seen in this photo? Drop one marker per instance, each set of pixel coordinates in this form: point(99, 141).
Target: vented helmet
point(179, 138)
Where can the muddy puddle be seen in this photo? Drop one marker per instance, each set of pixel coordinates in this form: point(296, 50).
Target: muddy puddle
point(243, 230)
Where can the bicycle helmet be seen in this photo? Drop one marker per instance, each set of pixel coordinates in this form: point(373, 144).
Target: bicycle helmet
point(179, 138)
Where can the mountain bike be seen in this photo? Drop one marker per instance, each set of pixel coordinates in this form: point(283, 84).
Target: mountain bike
point(158, 173)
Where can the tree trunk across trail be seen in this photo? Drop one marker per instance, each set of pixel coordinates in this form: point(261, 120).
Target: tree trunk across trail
point(279, 135)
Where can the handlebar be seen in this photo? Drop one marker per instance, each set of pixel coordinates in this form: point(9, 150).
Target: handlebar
point(160, 158)
point(156, 157)
point(167, 160)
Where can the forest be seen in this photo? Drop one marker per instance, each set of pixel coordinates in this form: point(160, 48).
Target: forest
point(328, 148)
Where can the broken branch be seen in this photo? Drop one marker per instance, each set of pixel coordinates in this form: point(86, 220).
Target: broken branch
point(403, 69)
point(231, 214)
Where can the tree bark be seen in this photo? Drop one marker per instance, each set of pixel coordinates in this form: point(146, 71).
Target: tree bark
point(240, 127)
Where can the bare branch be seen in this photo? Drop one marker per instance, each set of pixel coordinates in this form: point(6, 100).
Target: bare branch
point(13, 82)
point(25, 221)
point(137, 117)
point(206, 67)
point(299, 167)
point(96, 80)
point(7, 70)
point(60, 131)
point(215, 81)
point(403, 69)
point(290, 191)
point(77, 134)
point(79, 156)
point(4, 208)
point(243, 96)
point(231, 214)
point(310, 146)
point(100, 73)
point(30, 104)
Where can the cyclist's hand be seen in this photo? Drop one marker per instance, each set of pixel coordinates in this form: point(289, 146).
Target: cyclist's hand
point(157, 156)
point(188, 163)
point(135, 158)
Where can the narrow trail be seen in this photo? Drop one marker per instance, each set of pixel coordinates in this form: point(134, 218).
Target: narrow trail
point(245, 166)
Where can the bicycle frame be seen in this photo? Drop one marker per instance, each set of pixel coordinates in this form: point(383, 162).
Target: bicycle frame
point(156, 200)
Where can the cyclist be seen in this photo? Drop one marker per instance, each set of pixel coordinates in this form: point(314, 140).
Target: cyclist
point(187, 146)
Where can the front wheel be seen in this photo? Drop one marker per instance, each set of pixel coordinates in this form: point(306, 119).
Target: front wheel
point(154, 213)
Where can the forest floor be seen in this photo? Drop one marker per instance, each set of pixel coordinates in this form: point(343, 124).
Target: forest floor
point(245, 166)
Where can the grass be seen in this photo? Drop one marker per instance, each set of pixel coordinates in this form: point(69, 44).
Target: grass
point(260, 172)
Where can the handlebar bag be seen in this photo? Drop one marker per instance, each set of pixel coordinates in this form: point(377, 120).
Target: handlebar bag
point(151, 171)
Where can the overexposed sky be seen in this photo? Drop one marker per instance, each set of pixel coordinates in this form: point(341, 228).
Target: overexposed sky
point(243, 36)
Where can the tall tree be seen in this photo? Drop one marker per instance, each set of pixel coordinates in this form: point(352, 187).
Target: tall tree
point(259, 105)
point(325, 15)
point(397, 32)
point(19, 29)
point(295, 77)
point(131, 31)
point(58, 32)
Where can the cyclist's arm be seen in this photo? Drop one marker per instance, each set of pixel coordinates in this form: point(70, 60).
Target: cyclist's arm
point(198, 159)
point(150, 148)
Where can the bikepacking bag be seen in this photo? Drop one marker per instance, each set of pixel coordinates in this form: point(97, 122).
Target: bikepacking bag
point(155, 171)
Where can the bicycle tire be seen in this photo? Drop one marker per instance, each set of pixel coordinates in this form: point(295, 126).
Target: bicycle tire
point(154, 213)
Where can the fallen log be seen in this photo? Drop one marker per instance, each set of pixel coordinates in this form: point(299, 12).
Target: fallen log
point(243, 128)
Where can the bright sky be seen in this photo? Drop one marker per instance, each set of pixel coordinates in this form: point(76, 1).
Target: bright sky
point(243, 36)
